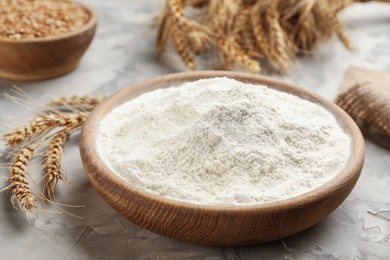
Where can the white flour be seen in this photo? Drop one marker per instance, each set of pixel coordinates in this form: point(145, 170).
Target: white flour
point(222, 142)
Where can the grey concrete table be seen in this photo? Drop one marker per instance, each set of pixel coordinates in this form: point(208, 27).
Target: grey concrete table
point(123, 53)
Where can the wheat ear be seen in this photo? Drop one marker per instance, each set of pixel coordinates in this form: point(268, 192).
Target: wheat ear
point(42, 124)
point(277, 38)
point(75, 101)
point(235, 53)
point(341, 33)
point(175, 7)
point(246, 30)
point(180, 43)
point(17, 172)
point(162, 34)
point(239, 24)
point(258, 30)
point(199, 41)
point(53, 158)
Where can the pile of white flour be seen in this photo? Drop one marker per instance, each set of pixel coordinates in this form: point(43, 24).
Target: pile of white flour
point(222, 142)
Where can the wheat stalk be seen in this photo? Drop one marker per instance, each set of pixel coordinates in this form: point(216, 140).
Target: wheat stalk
point(181, 46)
point(43, 124)
point(199, 41)
point(248, 39)
point(76, 102)
point(239, 26)
point(175, 9)
point(162, 35)
point(17, 177)
point(246, 30)
point(259, 32)
point(277, 38)
point(341, 33)
point(236, 54)
point(53, 157)
point(55, 126)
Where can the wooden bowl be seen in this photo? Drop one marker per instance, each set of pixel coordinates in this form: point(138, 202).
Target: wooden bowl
point(42, 58)
point(218, 225)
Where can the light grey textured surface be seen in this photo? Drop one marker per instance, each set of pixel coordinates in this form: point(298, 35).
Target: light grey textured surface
point(122, 53)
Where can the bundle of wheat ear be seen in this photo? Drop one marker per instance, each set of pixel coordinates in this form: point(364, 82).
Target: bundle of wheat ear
point(250, 31)
point(50, 129)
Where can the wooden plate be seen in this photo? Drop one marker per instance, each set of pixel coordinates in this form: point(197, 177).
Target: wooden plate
point(42, 58)
point(218, 225)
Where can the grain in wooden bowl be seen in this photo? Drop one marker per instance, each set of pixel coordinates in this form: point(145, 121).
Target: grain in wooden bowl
point(210, 224)
point(42, 39)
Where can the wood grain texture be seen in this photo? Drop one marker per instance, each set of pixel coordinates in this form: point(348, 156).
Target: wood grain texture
point(218, 225)
point(42, 58)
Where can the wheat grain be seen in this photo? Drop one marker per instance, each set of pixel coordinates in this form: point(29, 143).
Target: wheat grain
point(30, 19)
